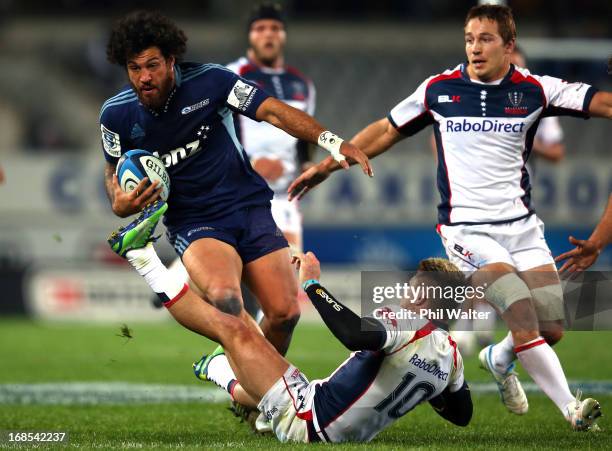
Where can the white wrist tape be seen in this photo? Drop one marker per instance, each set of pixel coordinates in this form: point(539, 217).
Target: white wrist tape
point(331, 142)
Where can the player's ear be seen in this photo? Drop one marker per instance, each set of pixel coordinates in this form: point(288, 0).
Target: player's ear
point(510, 46)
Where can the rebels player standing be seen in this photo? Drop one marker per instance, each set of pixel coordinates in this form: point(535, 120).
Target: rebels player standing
point(218, 216)
point(485, 114)
point(275, 155)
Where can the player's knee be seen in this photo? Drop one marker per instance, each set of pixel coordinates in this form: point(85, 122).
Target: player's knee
point(552, 337)
point(523, 336)
point(235, 330)
point(285, 321)
point(225, 298)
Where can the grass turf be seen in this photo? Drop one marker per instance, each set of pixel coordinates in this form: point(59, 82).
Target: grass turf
point(161, 353)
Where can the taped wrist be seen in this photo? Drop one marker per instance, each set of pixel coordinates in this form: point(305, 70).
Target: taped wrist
point(331, 142)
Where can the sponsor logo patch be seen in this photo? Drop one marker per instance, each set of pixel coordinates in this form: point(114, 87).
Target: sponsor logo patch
point(463, 251)
point(241, 95)
point(270, 413)
point(429, 367)
point(449, 99)
point(111, 142)
point(337, 307)
point(195, 106)
point(515, 98)
point(485, 125)
point(200, 229)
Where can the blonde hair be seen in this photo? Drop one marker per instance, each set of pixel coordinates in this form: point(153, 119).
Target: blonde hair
point(442, 273)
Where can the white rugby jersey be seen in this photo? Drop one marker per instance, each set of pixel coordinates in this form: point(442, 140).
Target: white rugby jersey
point(262, 140)
point(371, 390)
point(484, 135)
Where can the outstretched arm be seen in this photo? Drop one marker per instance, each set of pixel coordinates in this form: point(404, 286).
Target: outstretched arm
point(341, 321)
point(375, 139)
point(586, 251)
point(455, 407)
point(345, 324)
point(302, 126)
point(601, 105)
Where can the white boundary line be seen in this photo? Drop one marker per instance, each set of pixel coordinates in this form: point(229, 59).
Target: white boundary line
point(121, 393)
point(94, 393)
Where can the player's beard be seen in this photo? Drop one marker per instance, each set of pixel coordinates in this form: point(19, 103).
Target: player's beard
point(157, 101)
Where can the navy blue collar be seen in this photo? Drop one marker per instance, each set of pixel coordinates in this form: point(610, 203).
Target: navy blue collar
point(506, 79)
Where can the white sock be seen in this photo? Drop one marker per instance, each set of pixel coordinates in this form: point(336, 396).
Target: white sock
point(178, 270)
point(147, 263)
point(221, 373)
point(542, 364)
point(503, 354)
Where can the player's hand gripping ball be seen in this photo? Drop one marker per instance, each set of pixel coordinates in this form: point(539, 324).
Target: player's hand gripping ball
point(136, 164)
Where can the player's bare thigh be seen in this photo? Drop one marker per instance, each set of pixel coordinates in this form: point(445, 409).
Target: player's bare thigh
point(272, 280)
point(539, 277)
point(520, 317)
point(215, 268)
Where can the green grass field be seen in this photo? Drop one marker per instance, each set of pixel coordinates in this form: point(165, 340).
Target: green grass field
point(162, 353)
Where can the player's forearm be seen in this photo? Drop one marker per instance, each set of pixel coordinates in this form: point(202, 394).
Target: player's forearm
point(454, 407)
point(601, 105)
point(291, 120)
point(109, 171)
point(344, 323)
point(373, 140)
point(602, 235)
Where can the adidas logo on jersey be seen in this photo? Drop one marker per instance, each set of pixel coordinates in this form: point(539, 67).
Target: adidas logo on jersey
point(137, 131)
point(486, 125)
point(428, 367)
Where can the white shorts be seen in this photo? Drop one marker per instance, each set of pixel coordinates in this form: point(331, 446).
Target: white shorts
point(287, 215)
point(288, 406)
point(519, 243)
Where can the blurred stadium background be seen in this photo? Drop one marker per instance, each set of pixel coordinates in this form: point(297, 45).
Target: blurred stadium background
point(363, 56)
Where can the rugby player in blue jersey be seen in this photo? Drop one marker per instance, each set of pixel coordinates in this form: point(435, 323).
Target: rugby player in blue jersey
point(219, 218)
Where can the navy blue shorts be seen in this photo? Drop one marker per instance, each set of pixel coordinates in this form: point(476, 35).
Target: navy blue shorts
point(251, 231)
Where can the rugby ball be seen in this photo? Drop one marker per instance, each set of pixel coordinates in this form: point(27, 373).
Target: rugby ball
point(136, 164)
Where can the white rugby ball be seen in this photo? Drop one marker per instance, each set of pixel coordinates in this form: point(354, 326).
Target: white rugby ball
point(136, 164)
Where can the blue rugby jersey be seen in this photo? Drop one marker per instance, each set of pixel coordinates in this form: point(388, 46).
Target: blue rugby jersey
point(194, 135)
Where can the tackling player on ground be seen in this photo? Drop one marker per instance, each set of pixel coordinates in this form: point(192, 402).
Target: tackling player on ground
point(218, 216)
point(485, 114)
point(396, 365)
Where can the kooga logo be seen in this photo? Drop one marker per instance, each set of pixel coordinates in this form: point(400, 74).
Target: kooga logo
point(485, 125)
